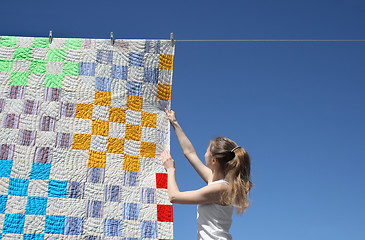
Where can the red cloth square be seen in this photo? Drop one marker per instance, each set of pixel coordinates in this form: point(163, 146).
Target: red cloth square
point(164, 213)
point(161, 180)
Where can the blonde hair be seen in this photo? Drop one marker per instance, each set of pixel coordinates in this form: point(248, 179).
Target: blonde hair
point(235, 162)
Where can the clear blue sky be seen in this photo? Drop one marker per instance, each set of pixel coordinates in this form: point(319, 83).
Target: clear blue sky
point(297, 108)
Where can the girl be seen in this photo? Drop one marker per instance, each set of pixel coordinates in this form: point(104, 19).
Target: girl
point(227, 173)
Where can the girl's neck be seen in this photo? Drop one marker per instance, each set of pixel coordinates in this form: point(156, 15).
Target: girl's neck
point(217, 175)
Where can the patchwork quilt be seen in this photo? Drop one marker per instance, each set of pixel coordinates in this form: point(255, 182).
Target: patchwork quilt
point(82, 130)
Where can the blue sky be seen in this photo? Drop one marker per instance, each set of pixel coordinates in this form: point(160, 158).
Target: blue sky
point(297, 107)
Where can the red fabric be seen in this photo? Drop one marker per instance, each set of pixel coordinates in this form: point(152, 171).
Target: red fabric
point(164, 213)
point(161, 180)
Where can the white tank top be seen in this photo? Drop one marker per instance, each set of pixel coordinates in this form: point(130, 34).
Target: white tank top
point(214, 220)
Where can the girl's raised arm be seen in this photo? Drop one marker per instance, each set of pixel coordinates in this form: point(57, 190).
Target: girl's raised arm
point(189, 152)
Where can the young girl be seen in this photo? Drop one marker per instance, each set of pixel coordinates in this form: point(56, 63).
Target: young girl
point(227, 173)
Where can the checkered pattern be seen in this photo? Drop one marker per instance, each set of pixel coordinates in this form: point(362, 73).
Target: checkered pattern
point(82, 129)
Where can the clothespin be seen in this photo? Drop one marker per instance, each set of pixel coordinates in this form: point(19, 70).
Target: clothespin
point(50, 37)
point(172, 39)
point(111, 39)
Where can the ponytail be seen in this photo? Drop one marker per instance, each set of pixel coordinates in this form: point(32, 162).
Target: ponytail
point(236, 165)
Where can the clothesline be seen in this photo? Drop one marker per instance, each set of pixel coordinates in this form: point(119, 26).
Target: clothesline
point(273, 40)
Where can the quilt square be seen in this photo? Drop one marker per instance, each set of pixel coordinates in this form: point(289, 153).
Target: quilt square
point(11, 121)
point(161, 180)
point(104, 56)
point(150, 75)
point(166, 61)
point(43, 155)
point(131, 211)
point(36, 206)
point(94, 209)
point(93, 229)
point(133, 117)
point(113, 227)
point(18, 186)
point(40, 43)
point(7, 151)
point(131, 178)
point(67, 109)
point(75, 190)
point(6, 65)
point(17, 92)
point(102, 98)
point(149, 229)
point(40, 171)
point(16, 205)
point(8, 41)
point(134, 102)
point(64, 140)
point(47, 123)
point(38, 66)
point(14, 223)
point(152, 46)
point(40, 54)
point(52, 94)
point(32, 107)
point(74, 225)
point(132, 147)
point(56, 55)
point(22, 53)
point(84, 111)
point(148, 149)
point(5, 168)
point(113, 193)
point(73, 55)
point(97, 159)
point(134, 88)
point(103, 84)
point(101, 112)
point(95, 175)
point(73, 43)
point(164, 213)
point(87, 69)
point(100, 127)
point(133, 132)
point(131, 163)
point(148, 195)
point(81, 141)
point(99, 143)
point(54, 68)
point(38, 188)
point(115, 145)
point(120, 72)
point(117, 115)
point(54, 224)
point(53, 81)
point(136, 59)
point(21, 66)
point(57, 188)
point(34, 226)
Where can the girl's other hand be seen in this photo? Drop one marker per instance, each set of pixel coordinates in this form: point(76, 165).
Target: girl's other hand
point(170, 115)
point(167, 160)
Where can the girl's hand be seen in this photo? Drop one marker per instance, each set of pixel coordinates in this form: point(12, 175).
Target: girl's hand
point(170, 115)
point(167, 160)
